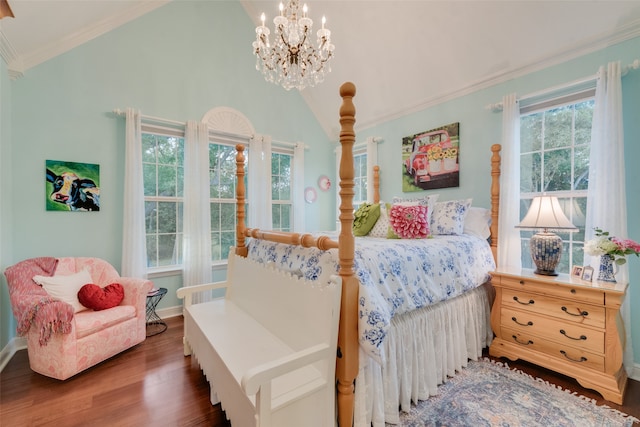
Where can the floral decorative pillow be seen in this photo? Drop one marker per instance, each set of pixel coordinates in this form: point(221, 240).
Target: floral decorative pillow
point(428, 201)
point(448, 217)
point(365, 218)
point(381, 227)
point(408, 222)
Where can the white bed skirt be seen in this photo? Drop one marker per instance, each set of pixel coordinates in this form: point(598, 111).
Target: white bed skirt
point(422, 349)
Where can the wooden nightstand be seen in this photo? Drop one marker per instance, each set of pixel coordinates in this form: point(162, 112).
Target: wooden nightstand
point(564, 324)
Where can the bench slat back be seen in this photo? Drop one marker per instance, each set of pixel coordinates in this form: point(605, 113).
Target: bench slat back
point(299, 312)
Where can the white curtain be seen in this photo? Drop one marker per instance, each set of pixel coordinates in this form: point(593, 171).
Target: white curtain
point(134, 248)
point(197, 208)
point(297, 188)
point(508, 236)
point(259, 183)
point(372, 160)
point(607, 206)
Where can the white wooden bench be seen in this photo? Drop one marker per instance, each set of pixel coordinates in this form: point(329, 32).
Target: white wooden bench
point(268, 347)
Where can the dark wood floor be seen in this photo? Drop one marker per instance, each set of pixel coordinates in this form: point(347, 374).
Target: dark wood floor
point(154, 384)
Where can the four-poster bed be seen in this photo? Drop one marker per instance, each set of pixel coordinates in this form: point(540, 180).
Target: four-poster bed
point(468, 313)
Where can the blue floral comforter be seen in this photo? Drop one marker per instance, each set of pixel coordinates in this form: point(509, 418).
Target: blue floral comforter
point(396, 276)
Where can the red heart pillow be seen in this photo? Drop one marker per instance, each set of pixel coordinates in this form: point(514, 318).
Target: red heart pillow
point(97, 298)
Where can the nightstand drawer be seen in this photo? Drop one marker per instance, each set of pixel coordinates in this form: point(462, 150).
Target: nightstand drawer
point(565, 310)
point(566, 333)
point(565, 353)
point(577, 293)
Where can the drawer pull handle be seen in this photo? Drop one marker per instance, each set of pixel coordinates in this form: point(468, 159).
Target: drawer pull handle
point(523, 303)
point(581, 313)
point(582, 358)
point(582, 337)
point(515, 338)
point(529, 323)
point(521, 282)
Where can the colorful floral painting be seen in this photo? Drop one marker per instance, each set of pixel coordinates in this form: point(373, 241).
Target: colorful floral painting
point(430, 159)
point(71, 186)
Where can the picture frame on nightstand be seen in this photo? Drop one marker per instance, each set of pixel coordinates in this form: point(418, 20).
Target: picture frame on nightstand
point(576, 271)
point(587, 273)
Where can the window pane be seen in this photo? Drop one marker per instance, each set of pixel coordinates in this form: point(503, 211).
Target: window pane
point(167, 251)
point(584, 119)
point(558, 129)
point(151, 216)
point(530, 173)
point(152, 250)
point(167, 217)
point(276, 218)
point(148, 148)
point(149, 178)
point(275, 187)
point(285, 217)
point(216, 248)
point(167, 181)
point(360, 178)
point(531, 133)
point(581, 166)
point(228, 217)
point(557, 170)
point(168, 150)
point(215, 216)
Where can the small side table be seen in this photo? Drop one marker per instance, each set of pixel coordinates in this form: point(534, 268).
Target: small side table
point(155, 325)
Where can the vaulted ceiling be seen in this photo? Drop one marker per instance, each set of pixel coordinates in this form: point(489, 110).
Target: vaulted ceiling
point(404, 55)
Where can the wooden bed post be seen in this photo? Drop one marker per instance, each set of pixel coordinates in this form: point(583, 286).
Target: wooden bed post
point(347, 358)
point(495, 198)
point(241, 248)
point(376, 184)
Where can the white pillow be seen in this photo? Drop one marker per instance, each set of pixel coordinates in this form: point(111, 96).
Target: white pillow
point(477, 222)
point(65, 288)
point(448, 217)
point(382, 224)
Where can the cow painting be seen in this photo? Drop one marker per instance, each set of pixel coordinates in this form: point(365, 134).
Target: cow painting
point(72, 186)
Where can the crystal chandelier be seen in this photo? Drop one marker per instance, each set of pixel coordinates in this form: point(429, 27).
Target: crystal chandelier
point(293, 61)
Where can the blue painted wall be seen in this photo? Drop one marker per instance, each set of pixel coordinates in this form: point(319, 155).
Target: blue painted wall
point(172, 63)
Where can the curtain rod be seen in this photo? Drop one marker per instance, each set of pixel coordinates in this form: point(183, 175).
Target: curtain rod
point(119, 112)
point(498, 105)
point(212, 132)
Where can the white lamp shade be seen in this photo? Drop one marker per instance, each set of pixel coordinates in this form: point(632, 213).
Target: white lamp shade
point(545, 212)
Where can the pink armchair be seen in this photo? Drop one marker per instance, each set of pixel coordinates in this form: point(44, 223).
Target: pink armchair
point(61, 342)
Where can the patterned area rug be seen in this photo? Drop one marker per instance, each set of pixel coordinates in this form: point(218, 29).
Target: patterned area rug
point(487, 393)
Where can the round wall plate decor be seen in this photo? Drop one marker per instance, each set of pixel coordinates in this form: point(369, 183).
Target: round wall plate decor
point(310, 195)
point(324, 183)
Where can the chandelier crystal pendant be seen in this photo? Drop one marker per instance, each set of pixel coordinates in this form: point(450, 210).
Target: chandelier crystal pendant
point(293, 61)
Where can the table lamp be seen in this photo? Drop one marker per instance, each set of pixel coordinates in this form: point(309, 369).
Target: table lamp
point(545, 214)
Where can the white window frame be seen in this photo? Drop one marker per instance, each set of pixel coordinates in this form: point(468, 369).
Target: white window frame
point(572, 242)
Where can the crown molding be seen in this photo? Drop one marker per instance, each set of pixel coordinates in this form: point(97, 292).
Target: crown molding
point(584, 47)
point(86, 34)
point(7, 51)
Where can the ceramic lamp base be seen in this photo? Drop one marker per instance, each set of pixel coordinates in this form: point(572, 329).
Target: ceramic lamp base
point(546, 249)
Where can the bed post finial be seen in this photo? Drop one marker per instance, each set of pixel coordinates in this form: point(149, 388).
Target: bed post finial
point(495, 198)
point(347, 361)
point(241, 249)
